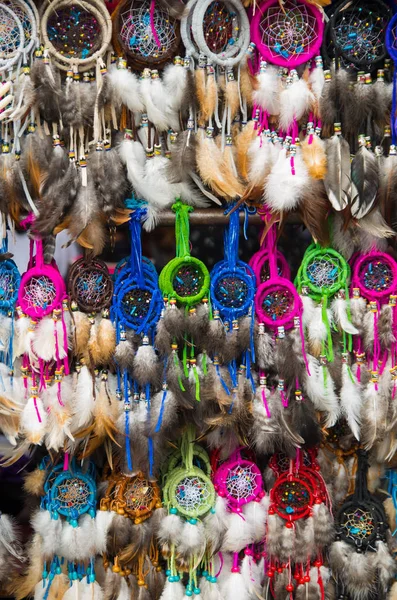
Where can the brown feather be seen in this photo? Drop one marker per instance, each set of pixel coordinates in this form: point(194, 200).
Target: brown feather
point(200, 75)
point(209, 164)
point(34, 482)
point(243, 142)
point(315, 158)
point(93, 237)
point(232, 98)
point(81, 331)
point(248, 83)
point(93, 346)
point(314, 209)
point(21, 587)
point(106, 340)
point(58, 587)
point(211, 95)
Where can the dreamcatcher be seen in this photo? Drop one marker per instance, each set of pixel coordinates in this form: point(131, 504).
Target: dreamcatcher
point(232, 294)
point(136, 309)
point(188, 530)
point(361, 530)
point(42, 334)
point(146, 33)
point(13, 39)
point(373, 301)
point(299, 528)
point(185, 283)
point(9, 284)
point(132, 548)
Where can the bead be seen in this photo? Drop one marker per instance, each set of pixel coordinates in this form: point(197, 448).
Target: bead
point(289, 587)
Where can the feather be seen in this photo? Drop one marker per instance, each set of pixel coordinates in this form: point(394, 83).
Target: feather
point(295, 101)
point(267, 89)
point(387, 190)
point(324, 528)
point(316, 83)
point(386, 565)
point(287, 543)
point(314, 155)
point(126, 88)
point(338, 183)
point(238, 535)
point(350, 398)
point(106, 340)
point(92, 591)
point(314, 209)
point(235, 587)
point(154, 113)
point(214, 527)
point(83, 400)
point(287, 183)
point(264, 348)
point(365, 177)
point(305, 424)
point(146, 365)
point(358, 310)
point(170, 530)
point(50, 531)
point(44, 342)
point(22, 586)
point(340, 316)
point(260, 161)
point(317, 330)
point(107, 174)
point(320, 388)
point(46, 81)
point(81, 332)
point(374, 416)
point(243, 142)
point(375, 226)
point(34, 420)
point(256, 514)
point(183, 158)
point(192, 543)
point(173, 591)
point(210, 590)
point(124, 355)
point(103, 523)
point(392, 595)
point(85, 210)
point(385, 326)
point(309, 310)
point(59, 586)
point(175, 80)
point(34, 482)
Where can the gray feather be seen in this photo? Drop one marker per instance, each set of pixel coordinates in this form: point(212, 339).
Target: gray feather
point(337, 181)
point(365, 177)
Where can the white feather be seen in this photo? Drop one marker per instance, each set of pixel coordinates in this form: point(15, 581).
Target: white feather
point(44, 339)
point(209, 590)
point(125, 592)
point(155, 115)
point(350, 399)
point(308, 538)
point(34, 420)
point(173, 590)
point(287, 543)
point(175, 80)
point(91, 591)
point(74, 591)
point(295, 101)
point(59, 412)
point(125, 85)
point(21, 336)
point(133, 157)
point(319, 387)
point(214, 527)
point(316, 82)
point(256, 515)
point(259, 158)
point(40, 589)
point(284, 189)
point(239, 534)
point(83, 400)
point(158, 93)
point(235, 587)
point(252, 573)
point(5, 332)
point(192, 539)
point(339, 312)
point(103, 522)
point(374, 415)
point(50, 531)
point(63, 344)
point(369, 330)
point(78, 543)
point(309, 307)
point(317, 331)
point(170, 530)
point(162, 193)
point(267, 94)
point(358, 310)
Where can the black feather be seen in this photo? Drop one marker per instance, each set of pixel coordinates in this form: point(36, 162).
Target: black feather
point(365, 176)
point(304, 422)
point(175, 8)
point(183, 158)
point(47, 84)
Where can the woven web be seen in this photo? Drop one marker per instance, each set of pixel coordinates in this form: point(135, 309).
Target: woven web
point(74, 32)
point(323, 271)
point(9, 35)
point(39, 293)
point(188, 280)
point(278, 303)
point(265, 270)
point(138, 495)
point(289, 31)
point(241, 482)
point(8, 285)
point(358, 525)
point(23, 17)
point(283, 461)
point(291, 497)
point(91, 288)
point(136, 32)
point(192, 493)
point(231, 291)
point(73, 493)
point(136, 304)
point(218, 27)
point(359, 34)
point(376, 275)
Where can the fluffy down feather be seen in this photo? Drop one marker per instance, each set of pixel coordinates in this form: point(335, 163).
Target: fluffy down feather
point(286, 185)
point(295, 101)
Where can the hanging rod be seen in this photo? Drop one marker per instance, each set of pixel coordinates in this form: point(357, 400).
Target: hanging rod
point(213, 216)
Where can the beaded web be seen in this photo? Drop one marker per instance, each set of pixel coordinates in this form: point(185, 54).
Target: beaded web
point(92, 288)
point(136, 32)
point(265, 270)
point(9, 282)
point(23, 17)
point(39, 293)
point(188, 280)
point(359, 34)
point(324, 271)
point(291, 497)
point(376, 275)
point(278, 303)
point(241, 482)
point(74, 32)
point(73, 493)
point(219, 27)
point(9, 35)
point(358, 524)
point(289, 31)
point(138, 495)
point(191, 493)
point(231, 291)
point(136, 304)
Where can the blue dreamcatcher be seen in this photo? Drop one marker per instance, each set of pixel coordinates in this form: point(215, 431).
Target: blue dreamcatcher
point(10, 279)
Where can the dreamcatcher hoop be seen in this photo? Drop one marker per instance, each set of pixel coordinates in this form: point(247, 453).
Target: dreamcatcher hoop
point(375, 275)
point(90, 286)
point(10, 280)
point(15, 53)
point(130, 295)
point(239, 46)
point(99, 12)
point(240, 482)
point(259, 263)
point(26, 15)
point(277, 303)
point(152, 29)
point(324, 271)
point(190, 492)
point(42, 288)
point(291, 497)
point(200, 460)
point(136, 497)
point(72, 495)
point(352, 38)
point(289, 22)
